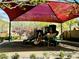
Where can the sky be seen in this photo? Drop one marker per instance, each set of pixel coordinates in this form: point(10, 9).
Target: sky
point(5, 17)
point(0, 0)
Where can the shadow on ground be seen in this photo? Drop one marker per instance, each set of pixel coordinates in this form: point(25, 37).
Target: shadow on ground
point(19, 46)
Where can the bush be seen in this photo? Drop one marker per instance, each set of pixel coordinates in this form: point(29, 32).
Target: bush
point(61, 54)
point(4, 38)
point(15, 37)
point(7, 38)
point(1, 40)
point(32, 56)
point(16, 56)
point(3, 56)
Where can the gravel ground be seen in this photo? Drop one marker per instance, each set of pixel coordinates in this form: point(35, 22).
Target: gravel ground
point(25, 51)
point(40, 54)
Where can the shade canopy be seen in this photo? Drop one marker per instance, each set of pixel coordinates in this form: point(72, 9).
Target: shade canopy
point(51, 12)
point(17, 11)
point(65, 11)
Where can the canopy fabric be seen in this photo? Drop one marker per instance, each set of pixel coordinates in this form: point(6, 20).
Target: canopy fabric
point(15, 12)
point(40, 13)
point(50, 12)
point(64, 11)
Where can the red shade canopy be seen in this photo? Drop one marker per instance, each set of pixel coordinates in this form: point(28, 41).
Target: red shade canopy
point(50, 12)
point(15, 12)
point(64, 11)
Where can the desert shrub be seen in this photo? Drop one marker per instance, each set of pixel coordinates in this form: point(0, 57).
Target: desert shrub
point(32, 56)
point(61, 54)
point(16, 56)
point(3, 56)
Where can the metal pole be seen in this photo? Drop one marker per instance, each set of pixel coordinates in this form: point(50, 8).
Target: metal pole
point(70, 29)
point(61, 31)
point(9, 31)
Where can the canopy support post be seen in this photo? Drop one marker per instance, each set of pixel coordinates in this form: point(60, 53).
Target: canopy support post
point(70, 29)
point(61, 31)
point(9, 31)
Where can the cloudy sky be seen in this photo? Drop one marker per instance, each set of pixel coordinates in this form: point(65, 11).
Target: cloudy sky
point(4, 16)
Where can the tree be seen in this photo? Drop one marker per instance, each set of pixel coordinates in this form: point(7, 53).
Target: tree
point(76, 1)
point(35, 2)
point(66, 25)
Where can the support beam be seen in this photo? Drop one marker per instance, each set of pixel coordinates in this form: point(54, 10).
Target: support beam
point(61, 30)
point(70, 28)
point(9, 31)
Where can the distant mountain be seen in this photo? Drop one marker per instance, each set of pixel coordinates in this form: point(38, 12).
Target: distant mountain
point(3, 25)
point(3, 22)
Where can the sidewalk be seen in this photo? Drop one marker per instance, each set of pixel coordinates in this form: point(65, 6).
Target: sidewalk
point(70, 43)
